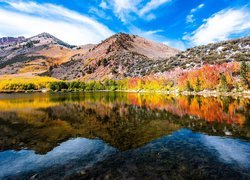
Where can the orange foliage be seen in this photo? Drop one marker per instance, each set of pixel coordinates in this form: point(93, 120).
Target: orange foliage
point(206, 77)
point(209, 75)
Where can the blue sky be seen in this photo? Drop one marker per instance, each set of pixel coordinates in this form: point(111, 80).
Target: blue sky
point(178, 23)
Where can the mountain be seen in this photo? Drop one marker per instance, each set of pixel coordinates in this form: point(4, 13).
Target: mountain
point(121, 55)
point(35, 54)
point(124, 55)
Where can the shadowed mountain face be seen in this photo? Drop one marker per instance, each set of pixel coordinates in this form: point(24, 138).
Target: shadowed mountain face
point(123, 120)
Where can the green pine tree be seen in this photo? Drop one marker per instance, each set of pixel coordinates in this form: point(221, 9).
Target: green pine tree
point(244, 70)
point(189, 88)
point(223, 83)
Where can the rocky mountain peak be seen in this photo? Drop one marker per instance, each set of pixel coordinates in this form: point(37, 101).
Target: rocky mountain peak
point(46, 39)
point(45, 34)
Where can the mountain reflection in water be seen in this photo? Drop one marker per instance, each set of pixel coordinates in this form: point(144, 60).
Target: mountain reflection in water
point(122, 135)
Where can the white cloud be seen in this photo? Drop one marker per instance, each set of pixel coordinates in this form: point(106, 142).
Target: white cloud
point(197, 8)
point(126, 9)
point(221, 26)
point(29, 18)
point(99, 13)
point(104, 5)
point(150, 17)
point(151, 5)
point(190, 17)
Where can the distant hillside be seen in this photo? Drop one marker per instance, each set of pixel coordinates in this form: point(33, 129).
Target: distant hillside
point(121, 55)
point(36, 54)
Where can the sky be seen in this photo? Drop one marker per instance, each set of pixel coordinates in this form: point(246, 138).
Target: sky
point(177, 23)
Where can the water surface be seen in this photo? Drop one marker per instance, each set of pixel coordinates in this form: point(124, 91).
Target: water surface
point(123, 135)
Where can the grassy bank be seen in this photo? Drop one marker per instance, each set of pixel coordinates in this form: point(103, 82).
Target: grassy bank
point(15, 83)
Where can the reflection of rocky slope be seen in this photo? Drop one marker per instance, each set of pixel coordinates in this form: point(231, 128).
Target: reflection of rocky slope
point(56, 124)
point(123, 120)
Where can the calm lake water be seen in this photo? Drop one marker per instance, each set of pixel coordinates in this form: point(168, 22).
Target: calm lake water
point(123, 135)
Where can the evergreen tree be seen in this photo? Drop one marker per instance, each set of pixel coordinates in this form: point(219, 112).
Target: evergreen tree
point(189, 88)
point(244, 72)
point(198, 85)
point(223, 83)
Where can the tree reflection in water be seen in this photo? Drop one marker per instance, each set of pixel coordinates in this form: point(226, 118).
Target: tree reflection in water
point(124, 120)
point(123, 135)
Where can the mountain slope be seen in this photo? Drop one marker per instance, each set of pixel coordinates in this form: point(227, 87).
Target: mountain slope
point(125, 55)
point(36, 54)
point(213, 53)
point(121, 55)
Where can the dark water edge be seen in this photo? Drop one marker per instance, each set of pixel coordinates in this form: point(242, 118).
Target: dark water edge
point(123, 136)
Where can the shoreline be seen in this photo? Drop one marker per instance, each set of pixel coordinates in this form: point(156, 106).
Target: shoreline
point(205, 93)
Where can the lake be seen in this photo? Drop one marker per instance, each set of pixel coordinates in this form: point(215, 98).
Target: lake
point(114, 135)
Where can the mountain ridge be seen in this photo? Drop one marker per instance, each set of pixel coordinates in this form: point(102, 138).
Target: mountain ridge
point(119, 56)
